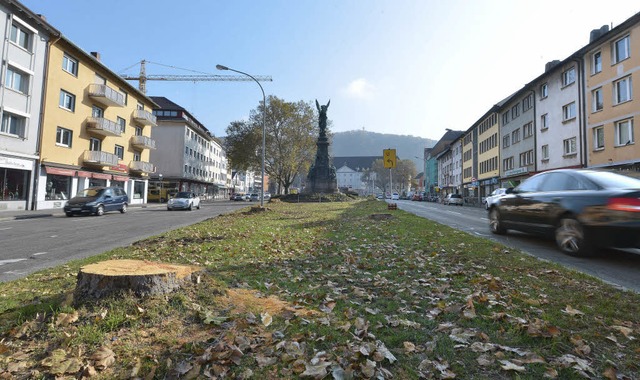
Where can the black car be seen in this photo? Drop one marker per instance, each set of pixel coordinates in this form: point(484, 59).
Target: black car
point(97, 200)
point(582, 209)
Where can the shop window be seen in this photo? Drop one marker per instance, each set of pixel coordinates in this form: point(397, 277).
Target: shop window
point(13, 184)
point(138, 189)
point(58, 187)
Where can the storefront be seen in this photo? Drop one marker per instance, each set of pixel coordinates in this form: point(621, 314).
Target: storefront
point(513, 178)
point(15, 178)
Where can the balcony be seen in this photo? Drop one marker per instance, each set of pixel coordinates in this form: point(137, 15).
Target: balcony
point(103, 127)
point(145, 117)
point(106, 95)
point(142, 167)
point(98, 158)
point(143, 142)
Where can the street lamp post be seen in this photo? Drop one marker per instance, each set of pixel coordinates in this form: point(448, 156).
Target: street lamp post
point(160, 177)
point(264, 117)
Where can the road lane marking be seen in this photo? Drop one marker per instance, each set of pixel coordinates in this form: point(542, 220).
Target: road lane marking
point(39, 254)
point(5, 228)
point(11, 261)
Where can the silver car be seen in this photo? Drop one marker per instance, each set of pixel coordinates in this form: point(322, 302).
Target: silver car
point(453, 199)
point(184, 200)
point(491, 199)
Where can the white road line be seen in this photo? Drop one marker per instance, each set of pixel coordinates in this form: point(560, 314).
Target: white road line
point(5, 228)
point(39, 253)
point(2, 262)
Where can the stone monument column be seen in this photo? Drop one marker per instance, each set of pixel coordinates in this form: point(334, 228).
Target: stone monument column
point(322, 174)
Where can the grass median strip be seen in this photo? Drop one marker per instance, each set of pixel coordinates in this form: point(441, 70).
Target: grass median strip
point(336, 290)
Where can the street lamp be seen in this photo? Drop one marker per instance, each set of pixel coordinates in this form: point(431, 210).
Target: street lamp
point(160, 177)
point(264, 117)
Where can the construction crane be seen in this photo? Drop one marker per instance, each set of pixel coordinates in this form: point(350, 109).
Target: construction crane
point(143, 77)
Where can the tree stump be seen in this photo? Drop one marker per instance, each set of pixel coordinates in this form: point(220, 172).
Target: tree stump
point(143, 278)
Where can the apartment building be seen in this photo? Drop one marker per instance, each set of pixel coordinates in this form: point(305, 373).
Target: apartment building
point(24, 57)
point(559, 115)
point(611, 64)
point(517, 140)
point(96, 129)
point(188, 157)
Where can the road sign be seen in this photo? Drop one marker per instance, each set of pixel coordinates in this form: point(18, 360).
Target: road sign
point(389, 158)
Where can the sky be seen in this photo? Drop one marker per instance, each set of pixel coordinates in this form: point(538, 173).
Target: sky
point(406, 67)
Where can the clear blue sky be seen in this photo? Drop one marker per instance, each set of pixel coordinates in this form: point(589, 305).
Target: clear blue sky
point(408, 67)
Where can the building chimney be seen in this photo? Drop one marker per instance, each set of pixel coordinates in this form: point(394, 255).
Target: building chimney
point(96, 55)
point(550, 65)
point(597, 33)
point(43, 17)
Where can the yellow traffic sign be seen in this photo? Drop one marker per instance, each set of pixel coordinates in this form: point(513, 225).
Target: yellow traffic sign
point(389, 158)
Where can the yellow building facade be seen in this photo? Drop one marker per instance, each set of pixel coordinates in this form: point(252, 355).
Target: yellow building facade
point(613, 98)
point(95, 131)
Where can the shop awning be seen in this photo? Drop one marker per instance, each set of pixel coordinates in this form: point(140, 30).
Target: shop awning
point(82, 173)
point(100, 176)
point(120, 178)
point(59, 171)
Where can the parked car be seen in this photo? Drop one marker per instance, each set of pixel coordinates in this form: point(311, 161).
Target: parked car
point(582, 209)
point(417, 197)
point(395, 196)
point(238, 197)
point(453, 199)
point(495, 195)
point(97, 200)
point(254, 197)
point(184, 200)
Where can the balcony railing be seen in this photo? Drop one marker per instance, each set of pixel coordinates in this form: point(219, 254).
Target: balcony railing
point(104, 127)
point(143, 142)
point(96, 157)
point(145, 117)
point(106, 95)
point(142, 167)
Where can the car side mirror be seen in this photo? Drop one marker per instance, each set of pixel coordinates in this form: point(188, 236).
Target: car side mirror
point(509, 191)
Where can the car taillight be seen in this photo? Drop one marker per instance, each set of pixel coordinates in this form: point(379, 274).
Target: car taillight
point(624, 204)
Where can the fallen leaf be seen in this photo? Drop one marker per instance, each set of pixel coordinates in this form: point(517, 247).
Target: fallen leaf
point(409, 347)
point(103, 358)
point(509, 366)
point(571, 311)
point(267, 319)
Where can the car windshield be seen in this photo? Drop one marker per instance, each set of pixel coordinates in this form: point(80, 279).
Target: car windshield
point(611, 180)
point(90, 192)
point(183, 194)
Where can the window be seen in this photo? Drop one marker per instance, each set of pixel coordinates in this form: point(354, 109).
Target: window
point(13, 124)
point(67, 101)
point(506, 141)
point(140, 106)
point(515, 136)
point(505, 118)
point(527, 103)
point(95, 144)
point(596, 62)
point(58, 187)
point(70, 65)
point(544, 121)
point(97, 111)
point(569, 146)
point(526, 158)
point(545, 152)
point(186, 151)
point(138, 131)
point(17, 80)
point(63, 137)
point(123, 123)
point(568, 77)
point(99, 79)
point(119, 151)
point(21, 36)
point(527, 130)
point(598, 101)
point(515, 111)
point(126, 95)
point(624, 132)
point(544, 91)
point(569, 111)
point(598, 138)
point(622, 91)
point(620, 50)
point(137, 156)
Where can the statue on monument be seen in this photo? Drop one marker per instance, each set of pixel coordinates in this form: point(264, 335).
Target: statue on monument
point(322, 175)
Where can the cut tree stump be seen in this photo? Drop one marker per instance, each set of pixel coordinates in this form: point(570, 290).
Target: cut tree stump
point(142, 278)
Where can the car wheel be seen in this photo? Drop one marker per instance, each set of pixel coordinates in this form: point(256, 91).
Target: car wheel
point(190, 207)
point(571, 238)
point(124, 208)
point(100, 210)
point(68, 213)
point(198, 207)
point(495, 222)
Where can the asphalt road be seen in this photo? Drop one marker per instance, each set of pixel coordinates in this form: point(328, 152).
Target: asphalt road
point(619, 268)
point(29, 245)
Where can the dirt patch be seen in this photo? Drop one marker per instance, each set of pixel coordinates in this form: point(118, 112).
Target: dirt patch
point(244, 300)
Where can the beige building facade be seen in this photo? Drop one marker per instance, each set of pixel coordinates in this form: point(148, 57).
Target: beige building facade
point(96, 129)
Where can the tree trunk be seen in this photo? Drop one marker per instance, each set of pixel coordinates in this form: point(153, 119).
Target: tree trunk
point(142, 278)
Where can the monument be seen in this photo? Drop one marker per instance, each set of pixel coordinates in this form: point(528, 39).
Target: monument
point(322, 175)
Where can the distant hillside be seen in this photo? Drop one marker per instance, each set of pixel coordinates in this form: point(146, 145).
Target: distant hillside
point(363, 143)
